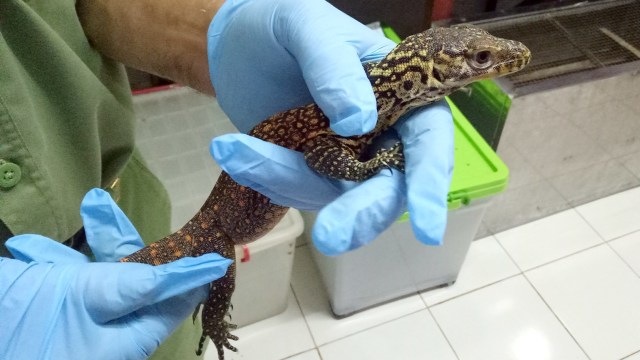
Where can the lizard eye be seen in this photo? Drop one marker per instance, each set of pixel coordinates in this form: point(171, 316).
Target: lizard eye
point(481, 60)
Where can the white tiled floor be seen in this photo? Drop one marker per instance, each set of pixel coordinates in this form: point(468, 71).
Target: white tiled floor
point(564, 287)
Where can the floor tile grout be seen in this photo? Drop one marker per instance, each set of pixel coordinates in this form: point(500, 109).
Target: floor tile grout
point(304, 317)
point(630, 355)
point(455, 353)
point(370, 328)
point(303, 352)
point(473, 290)
point(622, 258)
point(508, 254)
point(564, 257)
point(608, 242)
point(589, 223)
point(556, 316)
point(623, 235)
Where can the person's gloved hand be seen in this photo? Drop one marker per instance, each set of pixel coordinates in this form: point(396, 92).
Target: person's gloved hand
point(267, 56)
point(273, 55)
point(57, 304)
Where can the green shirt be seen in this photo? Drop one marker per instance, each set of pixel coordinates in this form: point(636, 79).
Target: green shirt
point(67, 123)
point(66, 117)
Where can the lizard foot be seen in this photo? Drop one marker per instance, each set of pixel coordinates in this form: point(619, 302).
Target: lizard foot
point(214, 321)
point(390, 158)
point(220, 338)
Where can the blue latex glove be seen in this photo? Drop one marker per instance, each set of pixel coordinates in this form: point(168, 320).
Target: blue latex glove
point(57, 304)
point(268, 56)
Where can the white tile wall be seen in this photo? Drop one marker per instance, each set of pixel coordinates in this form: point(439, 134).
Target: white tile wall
point(520, 205)
point(173, 133)
point(595, 181)
point(631, 162)
point(568, 146)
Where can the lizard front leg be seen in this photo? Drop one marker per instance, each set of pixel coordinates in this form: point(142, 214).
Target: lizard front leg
point(329, 156)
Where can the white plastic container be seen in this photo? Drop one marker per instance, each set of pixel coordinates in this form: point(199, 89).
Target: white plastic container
point(264, 272)
point(396, 264)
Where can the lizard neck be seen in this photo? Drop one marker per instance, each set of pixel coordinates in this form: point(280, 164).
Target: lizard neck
point(389, 115)
point(398, 92)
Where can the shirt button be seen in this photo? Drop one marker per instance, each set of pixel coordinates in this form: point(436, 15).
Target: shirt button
point(9, 174)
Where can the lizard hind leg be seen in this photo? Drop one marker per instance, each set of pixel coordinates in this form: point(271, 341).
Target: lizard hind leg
point(218, 305)
point(214, 314)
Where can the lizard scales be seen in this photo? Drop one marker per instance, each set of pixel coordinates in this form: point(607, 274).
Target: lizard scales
point(422, 69)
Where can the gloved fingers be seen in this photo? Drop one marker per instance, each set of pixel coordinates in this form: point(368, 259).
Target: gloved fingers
point(278, 173)
point(260, 78)
point(295, 53)
point(360, 214)
point(330, 47)
point(153, 324)
point(427, 137)
point(38, 248)
point(117, 289)
point(110, 234)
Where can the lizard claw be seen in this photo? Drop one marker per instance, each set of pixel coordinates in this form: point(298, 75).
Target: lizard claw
point(220, 338)
point(196, 312)
point(220, 348)
point(228, 345)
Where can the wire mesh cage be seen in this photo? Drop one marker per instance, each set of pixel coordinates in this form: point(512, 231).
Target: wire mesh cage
point(573, 44)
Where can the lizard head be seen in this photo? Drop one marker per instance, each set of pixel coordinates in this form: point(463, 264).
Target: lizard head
point(463, 54)
point(427, 66)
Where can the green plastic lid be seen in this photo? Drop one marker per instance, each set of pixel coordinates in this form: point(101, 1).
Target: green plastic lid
point(478, 171)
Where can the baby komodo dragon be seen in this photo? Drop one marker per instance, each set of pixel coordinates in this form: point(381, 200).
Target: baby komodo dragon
point(422, 69)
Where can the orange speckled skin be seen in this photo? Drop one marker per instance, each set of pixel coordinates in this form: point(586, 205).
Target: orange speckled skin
point(422, 69)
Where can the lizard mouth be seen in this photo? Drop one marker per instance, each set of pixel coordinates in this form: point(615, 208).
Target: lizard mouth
point(508, 67)
point(515, 65)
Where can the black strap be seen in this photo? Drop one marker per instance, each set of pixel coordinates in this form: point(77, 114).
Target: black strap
point(78, 241)
point(5, 234)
